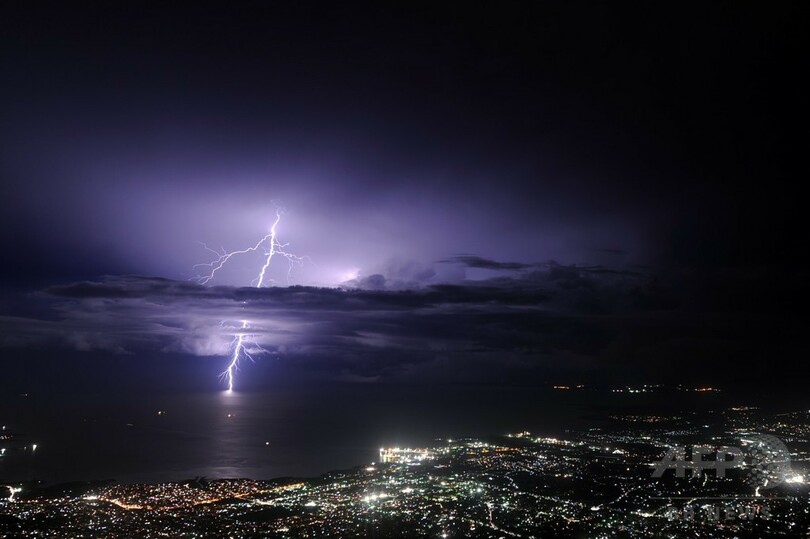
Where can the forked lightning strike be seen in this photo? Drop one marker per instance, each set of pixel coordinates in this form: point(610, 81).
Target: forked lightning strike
point(272, 247)
point(238, 345)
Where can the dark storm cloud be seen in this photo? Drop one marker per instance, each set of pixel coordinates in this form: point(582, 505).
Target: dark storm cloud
point(555, 270)
point(472, 261)
point(522, 316)
point(549, 321)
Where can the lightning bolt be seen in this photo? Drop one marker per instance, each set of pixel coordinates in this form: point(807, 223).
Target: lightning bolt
point(238, 346)
point(272, 247)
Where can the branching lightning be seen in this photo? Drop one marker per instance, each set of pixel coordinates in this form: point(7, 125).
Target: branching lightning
point(269, 243)
point(238, 347)
point(272, 247)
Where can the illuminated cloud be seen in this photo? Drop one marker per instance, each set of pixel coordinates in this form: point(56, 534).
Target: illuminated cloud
point(546, 318)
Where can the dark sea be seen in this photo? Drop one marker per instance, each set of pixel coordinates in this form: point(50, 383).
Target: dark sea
point(134, 437)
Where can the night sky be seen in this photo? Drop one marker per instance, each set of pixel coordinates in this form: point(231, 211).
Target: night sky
point(495, 193)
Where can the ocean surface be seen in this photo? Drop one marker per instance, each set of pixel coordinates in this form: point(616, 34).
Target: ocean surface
point(133, 437)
